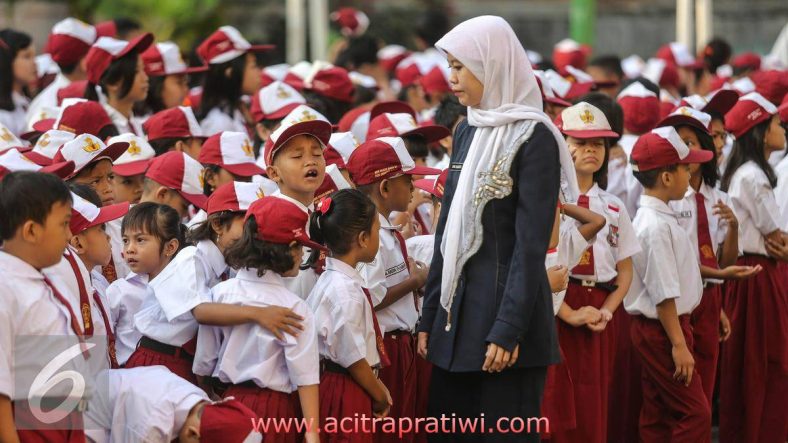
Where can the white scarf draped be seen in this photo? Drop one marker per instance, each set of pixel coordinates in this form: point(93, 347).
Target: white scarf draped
point(511, 105)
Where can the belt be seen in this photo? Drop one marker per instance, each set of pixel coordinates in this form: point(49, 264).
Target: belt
point(161, 348)
point(709, 284)
point(398, 333)
point(607, 286)
point(246, 384)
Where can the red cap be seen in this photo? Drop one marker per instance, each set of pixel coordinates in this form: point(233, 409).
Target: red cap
point(584, 120)
point(351, 21)
point(566, 89)
point(225, 44)
point(677, 54)
point(235, 197)
point(548, 95)
point(178, 122)
point(747, 60)
point(333, 181)
point(275, 101)
point(640, 106)
point(750, 110)
point(356, 121)
point(333, 82)
point(136, 159)
point(341, 144)
point(13, 160)
point(48, 145)
point(685, 115)
point(228, 421)
point(772, 84)
point(85, 214)
point(297, 73)
point(662, 73)
point(568, 52)
point(663, 147)
point(107, 29)
point(302, 120)
point(73, 90)
point(404, 125)
point(390, 56)
point(107, 49)
point(165, 59)
point(435, 82)
point(8, 140)
point(719, 101)
point(407, 73)
point(434, 186)
point(232, 151)
point(86, 149)
point(70, 40)
point(180, 173)
point(81, 116)
point(383, 158)
point(280, 221)
point(391, 107)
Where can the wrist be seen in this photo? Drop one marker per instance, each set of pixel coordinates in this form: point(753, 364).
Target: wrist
point(680, 346)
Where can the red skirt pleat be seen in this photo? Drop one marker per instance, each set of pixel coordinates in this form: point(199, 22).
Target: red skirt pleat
point(148, 357)
point(273, 405)
point(400, 379)
point(423, 375)
point(705, 320)
point(558, 401)
point(624, 396)
point(340, 397)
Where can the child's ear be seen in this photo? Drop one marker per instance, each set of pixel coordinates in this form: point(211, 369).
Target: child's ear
point(445, 142)
point(362, 239)
point(32, 232)
point(217, 227)
point(76, 242)
point(228, 71)
point(209, 177)
point(170, 247)
point(180, 146)
point(161, 194)
point(191, 433)
point(262, 131)
point(667, 178)
point(383, 187)
point(273, 174)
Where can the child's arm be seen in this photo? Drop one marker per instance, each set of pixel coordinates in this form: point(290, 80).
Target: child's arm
point(362, 374)
point(580, 317)
point(730, 246)
point(682, 357)
point(418, 276)
point(558, 276)
point(310, 408)
point(591, 222)
point(276, 319)
point(7, 426)
point(734, 272)
point(613, 300)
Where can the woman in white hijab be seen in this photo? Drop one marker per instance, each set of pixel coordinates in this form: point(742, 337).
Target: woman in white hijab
point(487, 322)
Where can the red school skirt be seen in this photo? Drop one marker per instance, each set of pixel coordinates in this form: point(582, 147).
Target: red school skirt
point(705, 321)
point(400, 379)
point(423, 375)
point(754, 360)
point(340, 397)
point(273, 405)
point(38, 432)
point(151, 353)
point(558, 400)
point(624, 395)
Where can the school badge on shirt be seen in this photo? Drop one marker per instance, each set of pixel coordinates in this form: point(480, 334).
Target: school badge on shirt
point(612, 236)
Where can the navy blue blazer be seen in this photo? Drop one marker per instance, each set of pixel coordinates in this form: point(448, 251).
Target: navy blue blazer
point(503, 295)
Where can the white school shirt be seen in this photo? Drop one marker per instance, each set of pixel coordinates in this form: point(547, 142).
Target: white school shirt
point(217, 121)
point(388, 269)
point(249, 352)
point(616, 241)
point(571, 246)
point(27, 307)
point(633, 187)
point(125, 297)
point(14, 119)
point(113, 230)
point(755, 205)
point(343, 316)
point(144, 404)
point(185, 282)
point(124, 125)
point(302, 284)
point(198, 218)
point(687, 214)
point(421, 248)
point(46, 99)
point(667, 265)
point(781, 191)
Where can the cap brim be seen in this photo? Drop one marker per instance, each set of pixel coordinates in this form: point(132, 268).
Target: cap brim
point(722, 102)
point(244, 169)
point(697, 156)
point(316, 128)
point(604, 133)
point(281, 113)
point(109, 213)
point(44, 125)
point(198, 200)
point(391, 107)
point(62, 169)
point(115, 150)
point(261, 48)
point(131, 168)
point(140, 43)
point(426, 185)
point(305, 241)
point(422, 170)
point(578, 90)
point(39, 159)
point(557, 101)
point(682, 120)
point(431, 133)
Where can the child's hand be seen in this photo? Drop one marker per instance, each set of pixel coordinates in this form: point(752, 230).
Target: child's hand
point(422, 339)
point(725, 213)
point(381, 408)
point(685, 364)
point(587, 315)
point(278, 319)
point(725, 327)
point(312, 437)
point(558, 276)
point(419, 271)
point(736, 272)
point(776, 249)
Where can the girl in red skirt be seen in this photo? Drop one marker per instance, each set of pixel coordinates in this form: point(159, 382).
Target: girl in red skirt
point(263, 370)
point(349, 337)
point(600, 279)
point(754, 368)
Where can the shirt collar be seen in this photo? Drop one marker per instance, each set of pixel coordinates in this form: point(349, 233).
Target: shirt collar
point(333, 264)
point(594, 191)
point(386, 224)
point(647, 201)
point(306, 209)
point(19, 267)
point(705, 190)
point(214, 256)
point(116, 117)
point(270, 277)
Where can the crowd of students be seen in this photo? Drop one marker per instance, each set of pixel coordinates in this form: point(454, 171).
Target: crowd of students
point(258, 245)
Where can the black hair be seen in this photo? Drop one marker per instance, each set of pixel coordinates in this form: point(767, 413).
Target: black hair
point(649, 178)
point(643, 81)
point(18, 204)
point(359, 51)
point(351, 213)
point(204, 230)
point(153, 102)
point(68, 69)
point(16, 41)
point(253, 253)
point(329, 107)
point(432, 25)
point(611, 64)
point(125, 25)
point(209, 169)
point(87, 192)
point(449, 112)
point(160, 221)
point(108, 131)
point(416, 145)
point(86, 170)
point(611, 109)
point(364, 95)
point(220, 90)
point(749, 147)
point(163, 145)
point(716, 53)
point(402, 95)
point(708, 170)
point(122, 70)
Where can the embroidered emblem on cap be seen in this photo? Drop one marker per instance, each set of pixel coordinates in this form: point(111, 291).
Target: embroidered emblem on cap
point(90, 145)
point(587, 117)
point(307, 116)
point(282, 92)
point(247, 148)
point(754, 115)
point(43, 141)
point(133, 148)
point(6, 135)
point(260, 193)
point(686, 111)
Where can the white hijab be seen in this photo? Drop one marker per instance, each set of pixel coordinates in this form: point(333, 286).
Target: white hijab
point(511, 105)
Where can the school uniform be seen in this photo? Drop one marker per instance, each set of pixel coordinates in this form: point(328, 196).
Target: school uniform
point(46, 99)
point(217, 120)
point(346, 333)
point(665, 268)
point(708, 232)
point(625, 186)
point(397, 321)
point(148, 404)
point(14, 119)
point(125, 297)
point(117, 267)
point(263, 371)
point(124, 124)
point(29, 307)
point(302, 284)
point(165, 320)
point(754, 360)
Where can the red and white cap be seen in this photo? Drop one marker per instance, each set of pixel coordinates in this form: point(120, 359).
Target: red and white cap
point(86, 149)
point(584, 120)
point(273, 73)
point(771, 84)
point(136, 159)
point(564, 88)
point(228, 421)
point(85, 214)
point(165, 59)
point(74, 89)
point(750, 110)
point(434, 186)
point(235, 197)
point(225, 44)
point(435, 81)
point(275, 101)
point(297, 73)
point(390, 56)
point(719, 101)
point(391, 107)
point(547, 91)
point(663, 147)
point(107, 29)
point(404, 125)
point(633, 66)
point(677, 54)
point(351, 21)
point(70, 40)
point(383, 158)
point(46, 66)
point(301, 120)
point(343, 143)
point(661, 73)
point(743, 85)
point(280, 221)
point(747, 60)
point(80, 116)
point(13, 160)
point(640, 106)
point(232, 151)
point(107, 49)
point(48, 145)
point(177, 122)
point(180, 173)
point(332, 82)
point(686, 115)
point(333, 181)
point(9, 140)
point(568, 52)
point(356, 121)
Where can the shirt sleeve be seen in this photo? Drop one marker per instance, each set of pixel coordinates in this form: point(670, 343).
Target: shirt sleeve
point(628, 244)
point(302, 355)
point(6, 346)
point(758, 198)
point(114, 304)
point(571, 245)
point(182, 289)
point(661, 276)
point(347, 339)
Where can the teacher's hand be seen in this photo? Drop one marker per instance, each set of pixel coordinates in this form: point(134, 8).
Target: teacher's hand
point(498, 358)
